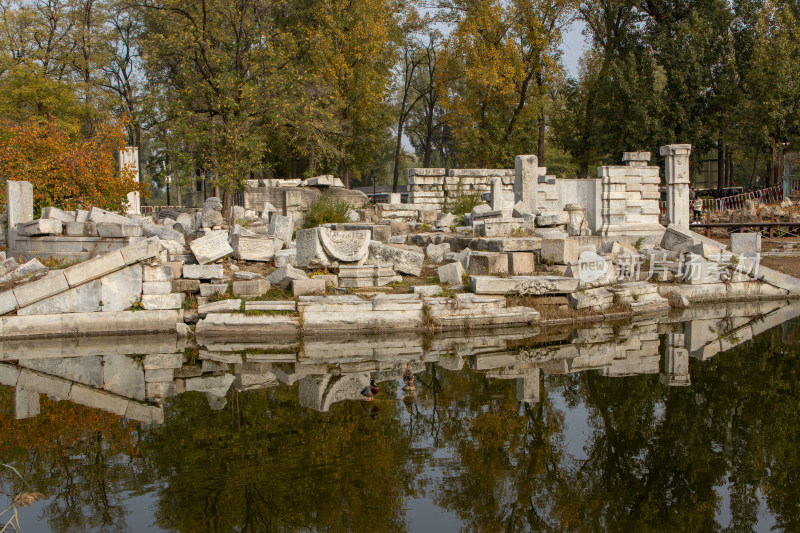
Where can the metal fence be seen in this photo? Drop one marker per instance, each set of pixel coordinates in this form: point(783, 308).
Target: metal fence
point(148, 209)
point(770, 195)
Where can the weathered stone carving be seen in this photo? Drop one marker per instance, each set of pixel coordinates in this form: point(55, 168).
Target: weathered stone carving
point(345, 246)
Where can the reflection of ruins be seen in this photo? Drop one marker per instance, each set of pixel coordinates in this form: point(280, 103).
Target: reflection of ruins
point(132, 376)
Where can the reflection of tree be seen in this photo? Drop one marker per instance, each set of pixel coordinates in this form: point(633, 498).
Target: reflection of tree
point(82, 459)
point(507, 457)
point(655, 456)
point(268, 464)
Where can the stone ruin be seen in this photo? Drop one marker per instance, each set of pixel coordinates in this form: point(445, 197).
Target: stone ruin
point(584, 241)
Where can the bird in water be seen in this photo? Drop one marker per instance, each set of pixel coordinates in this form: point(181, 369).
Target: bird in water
point(370, 391)
point(408, 379)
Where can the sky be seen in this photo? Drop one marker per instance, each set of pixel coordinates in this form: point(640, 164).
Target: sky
point(573, 47)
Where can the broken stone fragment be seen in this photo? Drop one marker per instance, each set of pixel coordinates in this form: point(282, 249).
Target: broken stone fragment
point(451, 274)
point(211, 214)
point(284, 275)
point(212, 247)
point(403, 260)
point(436, 252)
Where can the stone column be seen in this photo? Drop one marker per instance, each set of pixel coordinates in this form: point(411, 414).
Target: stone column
point(20, 207)
point(526, 178)
point(129, 157)
point(676, 362)
point(676, 171)
point(497, 194)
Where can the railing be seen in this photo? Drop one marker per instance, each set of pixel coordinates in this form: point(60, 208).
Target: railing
point(738, 201)
point(147, 209)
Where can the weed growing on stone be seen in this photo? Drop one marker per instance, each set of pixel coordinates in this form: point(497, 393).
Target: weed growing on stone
point(326, 210)
point(189, 303)
point(274, 293)
point(219, 296)
point(58, 264)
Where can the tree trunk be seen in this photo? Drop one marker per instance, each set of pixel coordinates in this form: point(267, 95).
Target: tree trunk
point(774, 154)
point(720, 164)
point(426, 156)
point(584, 172)
point(397, 151)
point(226, 205)
point(312, 160)
point(540, 140)
point(179, 196)
point(729, 167)
point(346, 176)
point(293, 166)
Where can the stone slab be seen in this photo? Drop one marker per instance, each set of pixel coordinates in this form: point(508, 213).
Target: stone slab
point(83, 299)
point(157, 302)
point(112, 229)
point(101, 215)
point(210, 289)
point(253, 247)
point(34, 291)
point(255, 287)
point(80, 229)
point(156, 287)
point(309, 286)
point(212, 247)
point(94, 268)
point(121, 289)
point(451, 274)
point(203, 271)
point(222, 306)
point(532, 285)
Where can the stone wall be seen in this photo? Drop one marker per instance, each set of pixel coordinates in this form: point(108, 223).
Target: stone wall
point(436, 187)
point(294, 200)
point(630, 196)
point(622, 200)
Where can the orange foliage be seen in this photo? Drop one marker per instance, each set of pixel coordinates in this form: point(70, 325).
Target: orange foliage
point(62, 426)
point(67, 171)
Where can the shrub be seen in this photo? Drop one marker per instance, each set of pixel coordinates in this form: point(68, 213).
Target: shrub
point(326, 210)
point(66, 170)
point(462, 203)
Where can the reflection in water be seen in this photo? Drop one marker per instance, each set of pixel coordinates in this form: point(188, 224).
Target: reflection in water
point(278, 437)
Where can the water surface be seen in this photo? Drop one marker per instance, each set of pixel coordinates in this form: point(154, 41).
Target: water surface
point(672, 423)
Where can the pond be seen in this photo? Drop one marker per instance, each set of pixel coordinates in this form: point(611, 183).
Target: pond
point(681, 422)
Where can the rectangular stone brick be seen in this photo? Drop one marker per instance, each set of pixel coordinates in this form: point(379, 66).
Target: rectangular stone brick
point(521, 263)
point(40, 289)
point(81, 229)
point(112, 229)
point(157, 273)
point(492, 264)
point(94, 268)
point(40, 226)
point(186, 285)
point(153, 302)
point(141, 250)
point(156, 287)
point(203, 271)
point(255, 287)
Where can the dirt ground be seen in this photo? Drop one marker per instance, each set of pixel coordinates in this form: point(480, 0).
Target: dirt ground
point(789, 264)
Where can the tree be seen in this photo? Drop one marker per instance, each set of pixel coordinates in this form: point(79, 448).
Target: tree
point(502, 57)
point(412, 60)
point(67, 171)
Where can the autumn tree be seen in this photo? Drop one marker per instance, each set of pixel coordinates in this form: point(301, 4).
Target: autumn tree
point(67, 170)
point(502, 56)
